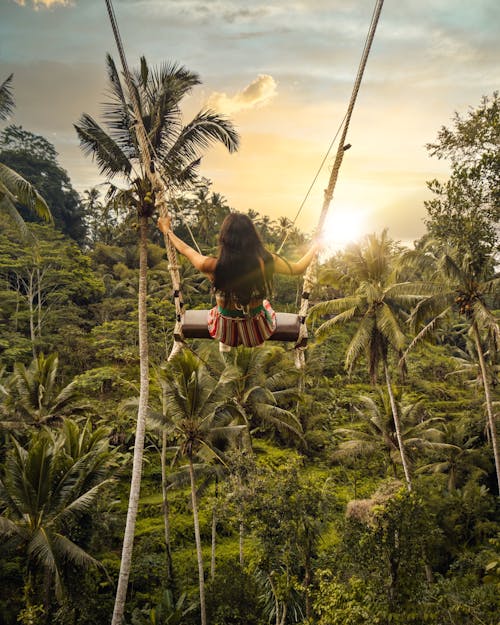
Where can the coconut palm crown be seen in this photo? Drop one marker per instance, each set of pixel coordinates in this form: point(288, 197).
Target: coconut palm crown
point(175, 147)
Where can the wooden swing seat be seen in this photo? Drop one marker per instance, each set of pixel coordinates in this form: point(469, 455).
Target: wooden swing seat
point(195, 326)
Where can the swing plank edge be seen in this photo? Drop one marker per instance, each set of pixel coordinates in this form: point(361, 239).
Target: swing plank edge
point(195, 326)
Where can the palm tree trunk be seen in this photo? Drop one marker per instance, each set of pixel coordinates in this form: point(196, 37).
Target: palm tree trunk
point(308, 582)
point(18, 302)
point(214, 536)
point(38, 303)
point(397, 426)
point(31, 297)
point(214, 530)
point(166, 506)
point(276, 601)
point(489, 402)
point(197, 538)
point(135, 483)
point(242, 535)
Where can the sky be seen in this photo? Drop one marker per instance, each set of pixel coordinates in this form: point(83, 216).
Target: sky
point(283, 71)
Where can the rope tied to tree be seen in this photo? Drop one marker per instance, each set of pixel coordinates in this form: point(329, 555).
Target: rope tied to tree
point(158, 184)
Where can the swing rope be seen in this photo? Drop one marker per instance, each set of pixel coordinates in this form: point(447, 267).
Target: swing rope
point(310, 275)
point(160, 188)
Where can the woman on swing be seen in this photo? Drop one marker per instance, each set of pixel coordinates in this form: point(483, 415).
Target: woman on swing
point(241, 277)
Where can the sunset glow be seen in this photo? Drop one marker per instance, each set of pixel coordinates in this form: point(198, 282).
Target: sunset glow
point(344, 225)
point(285, 88)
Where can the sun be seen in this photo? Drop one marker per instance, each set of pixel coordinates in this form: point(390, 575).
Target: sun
point(342, 226)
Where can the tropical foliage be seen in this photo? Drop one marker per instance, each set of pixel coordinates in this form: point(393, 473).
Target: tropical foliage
point(361, 490)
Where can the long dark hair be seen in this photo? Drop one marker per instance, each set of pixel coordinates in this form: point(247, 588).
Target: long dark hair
point(244, 269)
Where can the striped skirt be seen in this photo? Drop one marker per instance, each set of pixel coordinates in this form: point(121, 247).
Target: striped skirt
point(249, 331)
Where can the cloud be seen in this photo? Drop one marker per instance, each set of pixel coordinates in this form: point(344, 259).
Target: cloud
point(258, 93)
point(44, 3)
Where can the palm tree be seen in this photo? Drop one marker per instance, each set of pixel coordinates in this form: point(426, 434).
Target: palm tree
point(261, 380)
point(377, 435)
point(177, 149)
point(32, 397)
point(198, 420)
point(13, 187)
point(47, 487)
point(375, 301)
point(456, 455)
point(458, 286)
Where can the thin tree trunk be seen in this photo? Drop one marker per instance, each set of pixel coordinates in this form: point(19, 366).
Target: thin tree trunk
point(489, 402)
point(276, 601)
point(307, 582)
point(283, 614)
point(31, 295)
point(242, 534)
point(214, 530)
point(397, 426)
point(214, 536)
point(135, 483)
point(38, 303)
point(166, 506)
point(18, 300)
point(197, 538)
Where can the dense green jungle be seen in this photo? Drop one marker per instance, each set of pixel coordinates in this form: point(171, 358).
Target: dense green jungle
point(363, 488)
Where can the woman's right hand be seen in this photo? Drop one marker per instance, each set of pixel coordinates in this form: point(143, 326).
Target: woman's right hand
point(164, 224)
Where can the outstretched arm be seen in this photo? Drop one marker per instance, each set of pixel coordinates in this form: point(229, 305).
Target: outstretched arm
point(297, 267)
point(206, 264)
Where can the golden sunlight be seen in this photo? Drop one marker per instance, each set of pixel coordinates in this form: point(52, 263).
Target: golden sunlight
point(342, 226)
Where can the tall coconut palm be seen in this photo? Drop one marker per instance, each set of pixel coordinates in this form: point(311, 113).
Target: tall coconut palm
point(198, 420)
point(377, 435)
point(44, 489)
point(178, 149)
point(13, 187)
point(372, 306)
point(458, 286)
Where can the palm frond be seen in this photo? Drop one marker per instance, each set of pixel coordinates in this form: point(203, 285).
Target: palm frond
point(283, 420)
point(41, 550)
point(9, 528)
point(204, 130)
point(15, 188)
point(8, 207)
point(67, 549)
point(335, 307)
point(95, 142)
point(487, 320)
point(118, 111)
point(448, 266)
point(6, 98)
point(389, 326)
point(426, 332)
point(429, 307)
point(359, 342)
